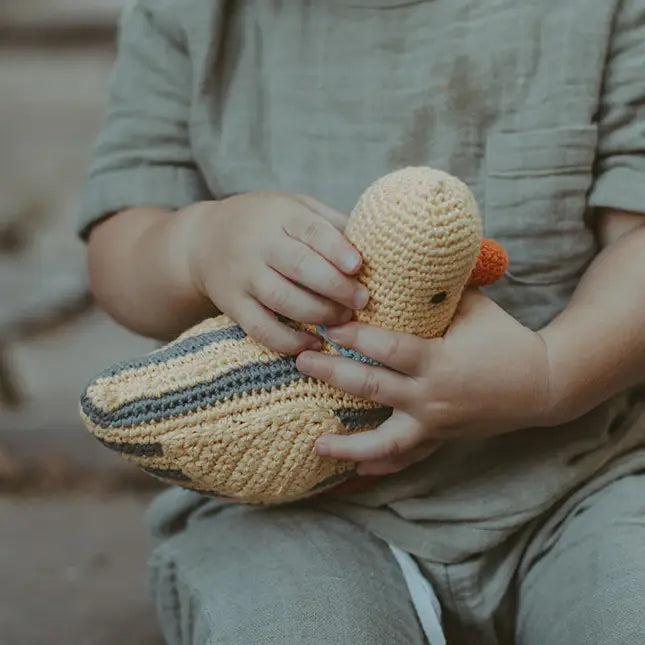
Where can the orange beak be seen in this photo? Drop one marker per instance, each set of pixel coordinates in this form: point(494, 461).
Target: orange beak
point(491, 264)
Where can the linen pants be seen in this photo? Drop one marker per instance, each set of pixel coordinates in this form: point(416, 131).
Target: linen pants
point(239, 575)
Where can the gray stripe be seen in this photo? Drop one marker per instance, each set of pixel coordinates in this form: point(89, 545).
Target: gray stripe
point(208, 493)
point(346, 351)
point(354, 419)
point(136, 449)
point(184, 347)
point(250, 378)
point(167, 473)
point(333, 481)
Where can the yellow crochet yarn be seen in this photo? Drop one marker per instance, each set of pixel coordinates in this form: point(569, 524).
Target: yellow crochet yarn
point(217, 412)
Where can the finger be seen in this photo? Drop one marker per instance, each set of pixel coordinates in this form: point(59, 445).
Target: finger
point(397, 350)
point(391, 440)
point(264, 328)
point(334, 217)
point(284, 297)
point(321, 236)
point(303, 265)
point(392, 465)
point(377, 384)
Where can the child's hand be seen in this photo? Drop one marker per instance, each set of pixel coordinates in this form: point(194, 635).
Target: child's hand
point(260, 253)
point(488, 375)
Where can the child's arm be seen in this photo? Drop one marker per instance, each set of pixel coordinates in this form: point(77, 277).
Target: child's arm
point(162, 253)
point(138, 273)
point(596, 347)
point(489, 374)
point(159, 271)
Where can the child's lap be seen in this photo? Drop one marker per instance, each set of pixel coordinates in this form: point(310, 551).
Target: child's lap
point(583, 576)
point(236, 574)
point(246, 575)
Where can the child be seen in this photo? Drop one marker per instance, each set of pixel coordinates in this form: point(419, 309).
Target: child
point(238, 136)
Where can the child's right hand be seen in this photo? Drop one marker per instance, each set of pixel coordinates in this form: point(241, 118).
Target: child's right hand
point(257, 254)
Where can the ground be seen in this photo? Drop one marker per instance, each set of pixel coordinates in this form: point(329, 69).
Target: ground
point(73, 544)
point(73, 567)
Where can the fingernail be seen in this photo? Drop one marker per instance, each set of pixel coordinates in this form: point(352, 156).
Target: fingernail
point(322, 447)
point(350, 261)
point(303, 362)
point(361, 297)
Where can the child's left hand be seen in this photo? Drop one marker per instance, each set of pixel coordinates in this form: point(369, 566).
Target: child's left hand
point(488, 375)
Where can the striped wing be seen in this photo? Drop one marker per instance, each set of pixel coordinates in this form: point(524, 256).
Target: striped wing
point(217, 412)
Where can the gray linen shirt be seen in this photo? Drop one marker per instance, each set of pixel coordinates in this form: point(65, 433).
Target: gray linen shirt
point(538, 106)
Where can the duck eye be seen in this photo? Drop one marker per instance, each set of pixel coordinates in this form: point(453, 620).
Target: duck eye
point(438, 297)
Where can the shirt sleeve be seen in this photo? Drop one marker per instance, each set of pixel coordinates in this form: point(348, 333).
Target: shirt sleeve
point(620, 169)
point(143, 155)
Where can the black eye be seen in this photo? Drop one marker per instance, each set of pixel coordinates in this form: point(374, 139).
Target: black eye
point(438, 297)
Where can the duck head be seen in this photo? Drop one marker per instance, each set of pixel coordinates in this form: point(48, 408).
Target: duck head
point(420, 235)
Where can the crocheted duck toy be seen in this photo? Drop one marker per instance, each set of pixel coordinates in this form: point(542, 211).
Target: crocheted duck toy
point(218, 413)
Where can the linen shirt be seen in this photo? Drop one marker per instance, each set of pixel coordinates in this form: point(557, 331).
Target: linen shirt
point(538, 106)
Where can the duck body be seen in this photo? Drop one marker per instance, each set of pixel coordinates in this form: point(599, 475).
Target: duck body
point(219, 413)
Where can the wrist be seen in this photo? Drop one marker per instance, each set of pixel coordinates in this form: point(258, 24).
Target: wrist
point(193, 246)
point(177, 239)
point(540, 408)
point(565, 398)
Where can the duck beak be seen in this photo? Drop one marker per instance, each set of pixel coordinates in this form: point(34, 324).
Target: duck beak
point(491, 264)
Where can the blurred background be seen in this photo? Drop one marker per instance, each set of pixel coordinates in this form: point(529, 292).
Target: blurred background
point(72, 535)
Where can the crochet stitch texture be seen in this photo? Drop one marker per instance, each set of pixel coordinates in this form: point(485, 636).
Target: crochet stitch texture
point(216, 412)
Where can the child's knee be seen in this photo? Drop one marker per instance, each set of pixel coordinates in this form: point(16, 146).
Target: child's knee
point(273, 578)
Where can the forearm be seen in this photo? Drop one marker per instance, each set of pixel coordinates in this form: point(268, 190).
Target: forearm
point(140, 274)
point(596, 347)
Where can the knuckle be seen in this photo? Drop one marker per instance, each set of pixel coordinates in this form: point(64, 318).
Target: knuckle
point(326, 314)
point(343, 288)
point(312, 233)
point(292, 345)
point(259, 333)
point(392, 348)
point(298, 265)
point(371, 386)
point(335, 315)
point(276, 299)
point(287, 340)
point(444, 418)
point(393, 450)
